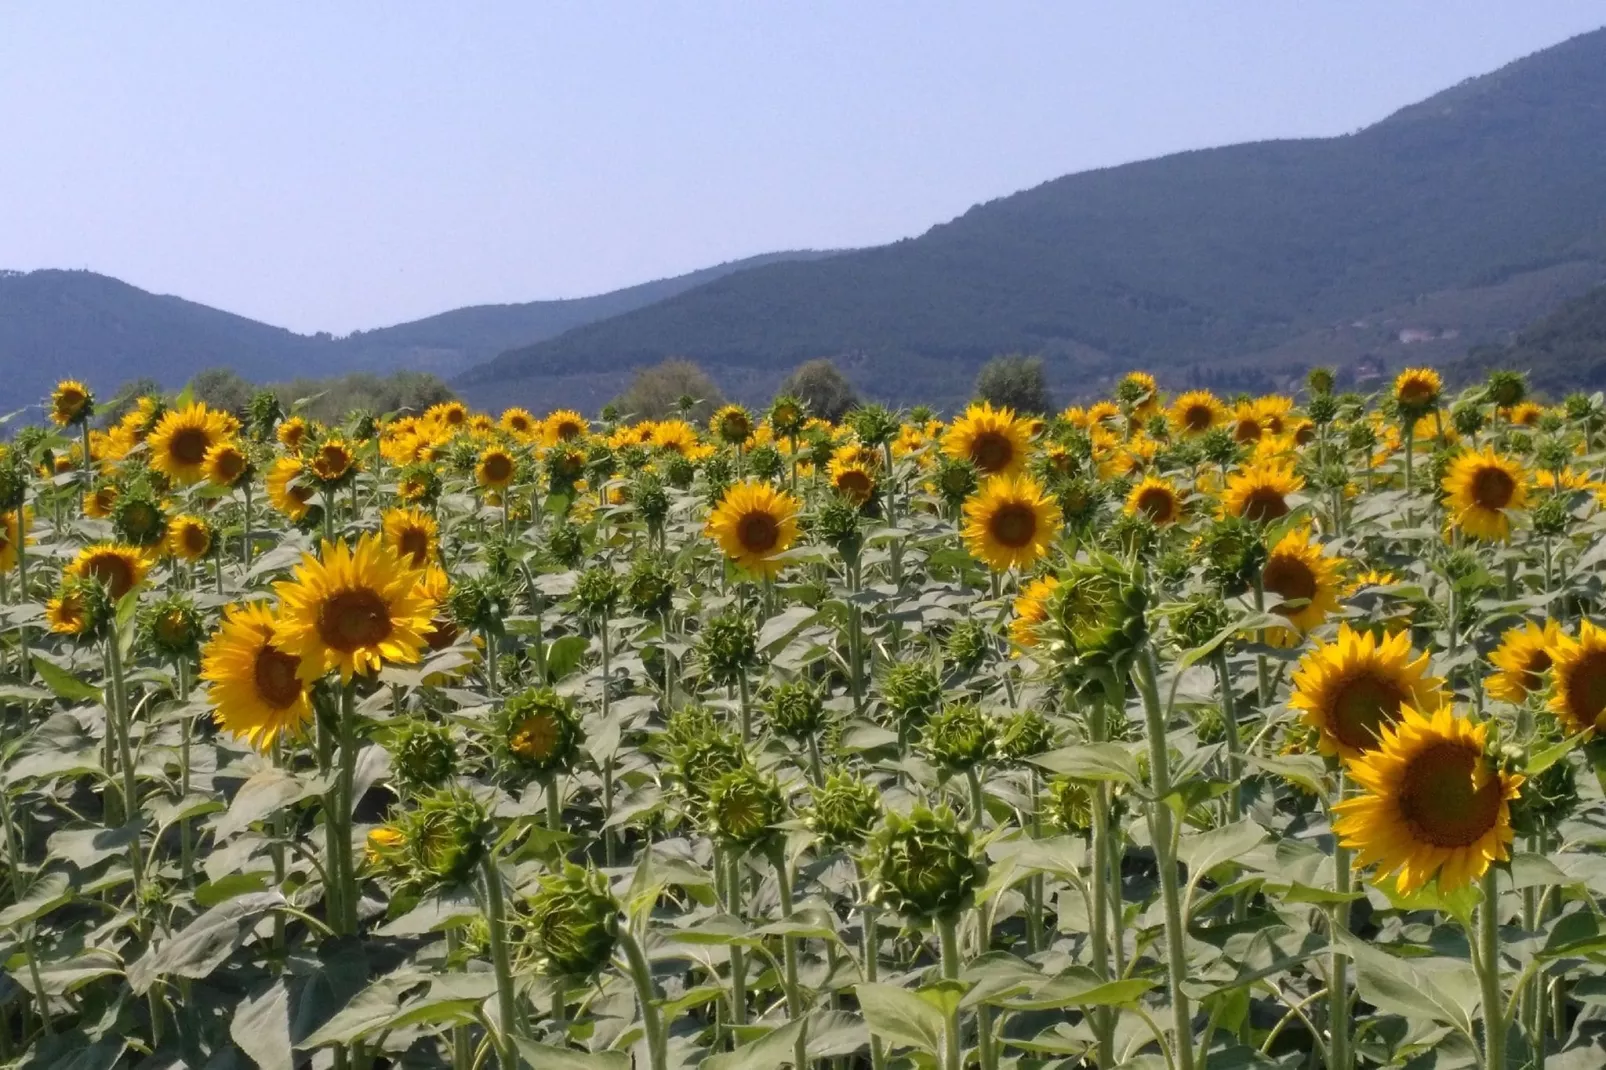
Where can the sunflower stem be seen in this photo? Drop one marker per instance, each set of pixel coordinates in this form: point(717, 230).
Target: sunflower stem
point(948, 943)
point(187, 727)
point(554, 804)
point(978, 808)
point(462, 1042)
point(738, 957)
point(794, 994)
point(19, 890)
point(341, 868)
point(1160, 818)
point(1488, 963)
point(1101, 879)
point(647, 999)
point(1338, 1023)
point(245, 529)
point(501, 961)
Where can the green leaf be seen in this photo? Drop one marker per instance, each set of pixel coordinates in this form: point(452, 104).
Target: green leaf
point(22, 693)
point(1080, 987)
point(436, 911)
point(830, 1034)
point(901, 1016)
point(205, 944)
point(87, 847)
point(783, 626)
point(64, 683)
point(369, 1009)
point(544, 1055)
point(1574, 935)
point(48, 892)
point(563, 656)
point(266, 793)
point(1394, 986)
point(222, 890)
point(62, 976)
point(1092, 761)
point(261, 1027)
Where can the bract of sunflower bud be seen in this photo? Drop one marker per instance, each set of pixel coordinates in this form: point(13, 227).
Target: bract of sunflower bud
point(573, 923)
point(742, 808)
point(786, 415)
point(650, 500)
point(263, 414)
point(836, 524)
point(13, 480)
point(649, 586)
point(765, 461)
point(1081, 499)
point(969, 645)
point(1547, 798)
point(959, 737)
point(1553, 454)
point(423, 758)
point(1068, 805)
point(539, 732)
point(1552, 516)
point(445, 837)
point(565, 544)
point(1467, 419)
point(1209, 724)
point(138, 517)
point(596, 591)
point(1361, 438)
point(874, 424)
point(719, 472)
point(956, 480)
point(1199, 620)
point(845, 811)
point(700, 760)
point(1172, 567)
point(172, 626)
point(1096, 619)
point(480, 603)
point(912, 691)
point(796, 710)
point(680, 471)
point(727, 647)
point(925, 865)
point(1234, 552)
point(1323, 409)
point(1024, 735)
point(1220, 448)
point(564, 466)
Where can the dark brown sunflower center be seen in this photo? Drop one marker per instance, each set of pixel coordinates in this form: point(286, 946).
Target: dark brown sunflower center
point(1416, 392)
point(140, 519)
point(758, 532)
point(1289, 578)
point(1156, 504)
point(114, 571)
point(227, 466)
point(351, 620)
point(277, 684)
point(1014, 525)
point(1441, 800)
point(1536, 665)
point(442, 633)
point(991, 451)
point(498, 467)
point(535, 737)
point(1263, 504)
point(414, 543)
point(854, 483)
point(1247, 431)
point(1198, 418)
point(189, 445)
point(195, 539)
point(1585, 688)
point(1363, 706)
point(1492, 488)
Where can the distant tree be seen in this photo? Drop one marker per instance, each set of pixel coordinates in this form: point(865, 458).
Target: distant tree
point(222, 388)
point(657, 392)
point(821, 387)
point(331, 400)
point(124, 398)
point(1016, 381)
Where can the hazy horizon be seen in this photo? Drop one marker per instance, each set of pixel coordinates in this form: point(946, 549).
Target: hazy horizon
point(341, 170)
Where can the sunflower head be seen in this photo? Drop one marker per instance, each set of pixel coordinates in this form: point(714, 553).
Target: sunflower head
point(333, 463)
point(564, 425)
point(1157, 500)
point(787, 415)
point(753, 523)
point(1024, 735)
point(596, 591)
point(423, 758)
point(413, 534)
point(959, 737)
point(1481, 490)
point(956, 479)
point(226, 465)
point(172, 626)
point(994, 440)
point(1260, 492)
point(796, 710)
point(289, 488)
point(445, 836)
point(1068, 803)
point(574, 923)
point(137, 516)
point(743, 808)
point(565, 544)
point(540, 732)
point(1096, 618)
point(912, 692)
point(419, 484)
point(180, 441)
point(190, 537)
point(495, 469)
point(256, 689)
point(969, 645)
point(845, 810)
point(1351, 689)
point(1523, 660)
point(71, 403)
point(1031, 609)
point(1011, 523)
point(727, 647)
point(732, 425)
point(1578, 678)
point(119, 567)
point(1305, 581)
point(926, 865)
point(853, 480)
point(81, 608)
point(1416, 392)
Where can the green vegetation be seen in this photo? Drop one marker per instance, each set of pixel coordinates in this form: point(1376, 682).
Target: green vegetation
point(1563, 351)
point(1017, 382)
point(328, 400)
point(823, 389)
point(674, 387)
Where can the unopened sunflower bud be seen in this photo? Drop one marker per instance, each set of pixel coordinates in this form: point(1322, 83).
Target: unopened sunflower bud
point(743, 807)
point(912, 691)
point(764, 461)
point(1323, 409)
point(925, 864)
point(959, 737)
point(445, 837)
point(728, 647)
point(423, 758)
point(1199, 620)
point(649, 587)
point(574, 923)
point(172, 626)
point(845, 810)
point(968, 646)
point(596, 591)
point(874, 424)
point(540, 732)
point(1024, 735)
point(796, 710)
point(1068, 804)
point(1506, 388)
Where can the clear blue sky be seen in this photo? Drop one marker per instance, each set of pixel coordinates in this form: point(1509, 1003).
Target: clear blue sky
point(341, 165)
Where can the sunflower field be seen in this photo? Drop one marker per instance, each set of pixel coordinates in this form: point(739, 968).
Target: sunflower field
point(1167, 732)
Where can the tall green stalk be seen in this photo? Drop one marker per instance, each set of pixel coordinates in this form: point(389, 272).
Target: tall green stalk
point(794, 994)
point(1101, 880)
point(948, 942)
point(501, 961)
point(1488, 963)
point(1338, 997)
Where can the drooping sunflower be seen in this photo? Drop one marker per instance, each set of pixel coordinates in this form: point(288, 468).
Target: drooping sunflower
point(71, 403)
point(1196, 412)
point(994, 440)
point(1155, 499)
point(256, 688)
point(182, 437)
point(852, 480)
point(1523, 658)
point(1482, 489)
point(413, 534)
point(1031, 609)
point(285, 491)
point(293, 434)
point(189, 537)
point(1432, 804)
point(1578, 678)
point(1011, 522)
point(495, 469)
point(226, 465)
point(1140, 392)
point(354, 610)
point(1351, 688)
point(1260, 492)
point(753, 523)
point(1306, 581)
point(120, 568)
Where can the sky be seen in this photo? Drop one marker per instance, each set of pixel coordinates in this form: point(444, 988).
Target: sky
point(339, 166)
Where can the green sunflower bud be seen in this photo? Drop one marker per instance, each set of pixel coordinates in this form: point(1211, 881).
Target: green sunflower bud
point(1323, 409)
point(912, 691)
point(1199, 620)
point(1081, 500)
point(765, 461)
point(968, 646)
point(1552, 516)
point(680, 472)
point(540, 732)
point(1024, 735)
point(1550, 422)
point(138, 517)
point(874, 424)
point(650, 500)
point(1547, 798)
point(565, 545)
point(1361, 438)
point(172, 626)
point(480, 603)
point(1068, 805)
point(1506, 388)
point(420, 484)
point(1553, 454)
point(837, 525)
point(1234, 553)
point(956, 480)
point(959, 737)
point(926, 865)
point(445, 837)
point(796, 710)
point(701, 760)
point(1220, 448)
point(787, 415)
point(564, 466)
point(423, 758)
point(1320, 381)
point(596, 591)
point(845, 811)
point(719, 471)
point(1209, 725)
point(728, 647)
point(13, 480)
point(1096, 618)
point(743, 807)
point(1467, 419)
point(649, 586)
point(574, 923)
point(264, 413)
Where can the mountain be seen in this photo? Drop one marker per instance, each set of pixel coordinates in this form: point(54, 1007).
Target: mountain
point(1563, 351)
point(58, 323)
point(1487, 201)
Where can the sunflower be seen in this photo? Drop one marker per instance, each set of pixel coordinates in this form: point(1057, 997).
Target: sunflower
point(678, 436)
point(182, 437)
point(1524, 414)
point(436, 586)
point(495, 469)
point(1155, 499)
point(520, 423)
point(753, 523)
point(1011, 522)
point(293, 434)
point(732, 424)
point(333, 463)
point(1196, 412)
point(256, 688)
point(1260, 492)
point(11, 538)
point(120, 568)
point(1031, 609)
point(1522, 658)
point(993, 440)
point(451, 415)
point(413, 534)
point(853, 480)
point(1246, 425)
point(1296, 570)
point(1480, 488)
point(1578, 678)
point(353, 610)
point(1351, 688)
point(285, 492)
point(189, 537)
point(1432, 804)
point(1416, 392)
point(226, 465)
point(71, 403)
point(67, 610)
point(100, 502)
